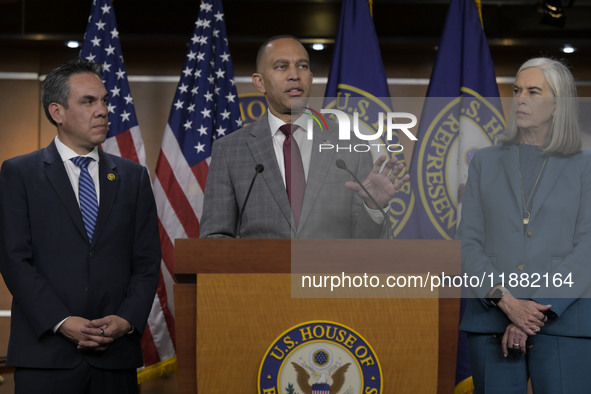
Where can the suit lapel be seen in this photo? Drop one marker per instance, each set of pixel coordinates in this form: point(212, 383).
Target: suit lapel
point(260, 143)
point(554, 168)
point(320, 163)
point(109, 179)
point(58, 178)
point(509, 159)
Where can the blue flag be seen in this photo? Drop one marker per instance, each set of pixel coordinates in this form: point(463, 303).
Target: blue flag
point(357, 83)
point(461, 114)
point(357, 60)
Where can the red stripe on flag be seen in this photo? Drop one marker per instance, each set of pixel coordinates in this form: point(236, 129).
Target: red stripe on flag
point(176, 197)
point(149, 350)
point(167, 256)
point(166, 247)
point(200, 171)
point(168, 317)
point(127, 146)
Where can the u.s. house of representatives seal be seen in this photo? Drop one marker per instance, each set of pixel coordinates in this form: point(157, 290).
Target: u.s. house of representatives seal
point(320, 357)
point(456, 130)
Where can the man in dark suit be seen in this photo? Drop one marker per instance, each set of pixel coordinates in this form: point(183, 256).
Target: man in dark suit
point(327, 209)
point(79, 249)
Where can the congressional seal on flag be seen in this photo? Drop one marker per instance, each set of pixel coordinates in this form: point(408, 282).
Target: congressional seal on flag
point(320, 357)
point(443, 150)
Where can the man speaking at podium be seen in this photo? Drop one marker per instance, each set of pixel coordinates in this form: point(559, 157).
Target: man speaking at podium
point(267, 180)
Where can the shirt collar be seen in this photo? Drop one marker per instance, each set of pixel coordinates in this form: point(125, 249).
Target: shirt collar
point(275, 123)
point(66, 153)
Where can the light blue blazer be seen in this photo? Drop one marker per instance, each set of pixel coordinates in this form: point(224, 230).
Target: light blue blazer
point(557, 241)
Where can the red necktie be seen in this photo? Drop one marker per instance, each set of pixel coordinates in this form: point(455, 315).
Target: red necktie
point(295, 179)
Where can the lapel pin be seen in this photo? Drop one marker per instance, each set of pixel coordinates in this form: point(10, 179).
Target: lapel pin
point(111, 176)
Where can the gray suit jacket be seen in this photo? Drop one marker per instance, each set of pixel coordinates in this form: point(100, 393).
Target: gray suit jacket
point(329, 209)
point(557, 241)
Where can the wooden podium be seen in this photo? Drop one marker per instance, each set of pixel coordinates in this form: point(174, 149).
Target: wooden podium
point(234, 298)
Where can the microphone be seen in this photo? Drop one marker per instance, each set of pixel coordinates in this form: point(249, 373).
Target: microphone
point(341, 164)
point(257, 170)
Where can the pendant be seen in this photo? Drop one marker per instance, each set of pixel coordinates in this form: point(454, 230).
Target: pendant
point(526, 216)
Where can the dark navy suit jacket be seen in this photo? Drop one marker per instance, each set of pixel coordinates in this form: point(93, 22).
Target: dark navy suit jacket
point(54, 271)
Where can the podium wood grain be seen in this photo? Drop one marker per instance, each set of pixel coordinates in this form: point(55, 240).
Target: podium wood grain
point(242, 303)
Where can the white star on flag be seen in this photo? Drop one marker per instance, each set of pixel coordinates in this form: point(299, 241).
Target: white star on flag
point(206, 113)
point(200, 148)
point(125, 116)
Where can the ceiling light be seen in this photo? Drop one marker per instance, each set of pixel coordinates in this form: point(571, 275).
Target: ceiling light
point(552, 13)
point(73, 44)
point(567, 48)
point(318, 46)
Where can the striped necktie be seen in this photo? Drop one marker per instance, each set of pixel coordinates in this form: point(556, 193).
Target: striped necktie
point(87, 195)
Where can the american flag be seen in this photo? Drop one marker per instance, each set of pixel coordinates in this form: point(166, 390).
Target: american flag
point(205, 107)
point(101, 45)
point(320, 389)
